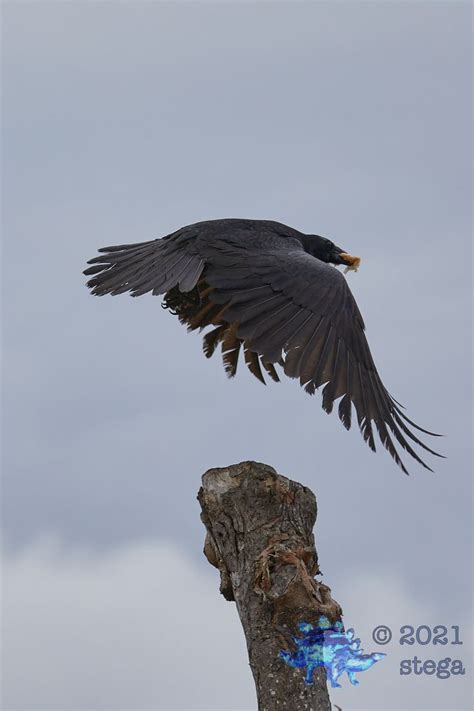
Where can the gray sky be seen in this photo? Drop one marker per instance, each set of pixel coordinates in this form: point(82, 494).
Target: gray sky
point(125, 121)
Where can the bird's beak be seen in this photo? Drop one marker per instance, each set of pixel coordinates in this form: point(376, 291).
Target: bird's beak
point(339, 256)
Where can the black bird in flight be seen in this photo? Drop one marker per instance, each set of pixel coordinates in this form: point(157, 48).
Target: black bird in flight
point(272, 292)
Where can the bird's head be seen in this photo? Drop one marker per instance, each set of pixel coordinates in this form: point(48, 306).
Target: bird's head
point(325, 250)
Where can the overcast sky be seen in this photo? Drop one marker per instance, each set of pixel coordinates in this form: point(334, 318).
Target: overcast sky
point(121, 123)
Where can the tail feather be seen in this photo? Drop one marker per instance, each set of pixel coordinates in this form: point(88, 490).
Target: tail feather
point(155, 266)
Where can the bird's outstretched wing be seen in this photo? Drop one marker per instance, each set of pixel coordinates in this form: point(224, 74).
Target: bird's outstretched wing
point(283, 305)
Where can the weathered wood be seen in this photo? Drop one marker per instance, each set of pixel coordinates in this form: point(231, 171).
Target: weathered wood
point(259, 535)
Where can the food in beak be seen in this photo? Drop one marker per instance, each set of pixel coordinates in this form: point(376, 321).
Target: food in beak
point(352, 263)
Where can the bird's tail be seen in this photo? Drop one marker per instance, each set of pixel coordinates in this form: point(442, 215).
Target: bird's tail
point(156, 266)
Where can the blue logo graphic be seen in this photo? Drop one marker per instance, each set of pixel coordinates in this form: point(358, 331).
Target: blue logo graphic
point(328, 645)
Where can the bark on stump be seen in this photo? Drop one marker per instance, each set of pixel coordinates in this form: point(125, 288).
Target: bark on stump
point(259, 535)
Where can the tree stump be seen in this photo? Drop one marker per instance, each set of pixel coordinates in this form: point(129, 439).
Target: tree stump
point(259, 535)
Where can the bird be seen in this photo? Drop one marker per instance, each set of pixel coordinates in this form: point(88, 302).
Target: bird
point(273, 294)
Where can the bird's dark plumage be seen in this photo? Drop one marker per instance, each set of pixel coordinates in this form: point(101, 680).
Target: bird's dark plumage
point(270, 291)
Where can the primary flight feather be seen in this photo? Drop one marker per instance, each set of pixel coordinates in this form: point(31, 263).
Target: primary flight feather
point(271, 292)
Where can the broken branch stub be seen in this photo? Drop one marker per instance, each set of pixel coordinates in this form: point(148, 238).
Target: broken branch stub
point(260, 537)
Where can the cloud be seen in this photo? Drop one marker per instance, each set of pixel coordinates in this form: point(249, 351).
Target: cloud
point(137, 628)
point(144, 627)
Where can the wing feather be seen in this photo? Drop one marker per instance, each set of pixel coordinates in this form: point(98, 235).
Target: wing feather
point(212, 339)
point(253, 364)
